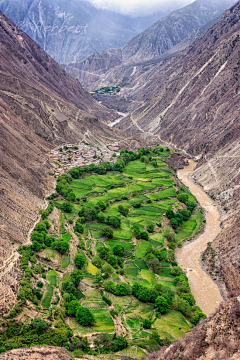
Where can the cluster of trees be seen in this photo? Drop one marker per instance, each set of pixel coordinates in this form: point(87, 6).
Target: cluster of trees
point(120, 289)
point(184, 214)
point(106, 343)
point(44, 213)
point(83, 315)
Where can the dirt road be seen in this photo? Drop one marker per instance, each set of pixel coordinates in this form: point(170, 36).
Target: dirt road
point(205, 291)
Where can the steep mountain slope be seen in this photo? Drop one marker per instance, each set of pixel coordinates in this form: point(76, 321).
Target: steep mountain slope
point(41, 106)
point(192, 102)
point(168, 36)
point(71, 30)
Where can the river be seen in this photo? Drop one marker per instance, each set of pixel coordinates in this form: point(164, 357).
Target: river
point(204, 289)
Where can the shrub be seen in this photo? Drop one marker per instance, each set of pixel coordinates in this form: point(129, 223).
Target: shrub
point(170, 237)
point(68, 287)
point(79, 260)
point(147, 324)
point(144, 235)
point(123, 210)
point(84, 316)
point(40, 284)
point(150, 228)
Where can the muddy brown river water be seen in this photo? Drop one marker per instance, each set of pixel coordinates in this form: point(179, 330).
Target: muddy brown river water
point(204, 289)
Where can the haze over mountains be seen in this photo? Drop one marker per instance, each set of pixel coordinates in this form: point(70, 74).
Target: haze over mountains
point(165, 38)
point(70, 30)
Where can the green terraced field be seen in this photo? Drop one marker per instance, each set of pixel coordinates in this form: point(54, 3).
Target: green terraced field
point(46, 302)
point(125, 268)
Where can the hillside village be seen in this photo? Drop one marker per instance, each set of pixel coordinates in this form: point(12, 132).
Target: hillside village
point(68, 156)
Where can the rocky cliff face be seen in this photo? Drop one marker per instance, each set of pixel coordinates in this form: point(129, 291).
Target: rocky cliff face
point(38, 353)
point(167, 36)
point(41, 106)
point(71, 30)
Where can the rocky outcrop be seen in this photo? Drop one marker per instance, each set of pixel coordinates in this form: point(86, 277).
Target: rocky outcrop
point(164, 39)
point(215, 338)
point(71, 30)
point(38, 353)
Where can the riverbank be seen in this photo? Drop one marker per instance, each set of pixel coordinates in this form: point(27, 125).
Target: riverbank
point(204, 289)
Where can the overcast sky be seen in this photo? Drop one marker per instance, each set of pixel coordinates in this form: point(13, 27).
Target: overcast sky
point(138, 7)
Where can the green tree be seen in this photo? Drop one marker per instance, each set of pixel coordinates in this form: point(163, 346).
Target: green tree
point(71, 196)
point(147, 324)
point(123, 210)
point(150, 228)
point(182, 197)
point(115, 221)
point(119, 344)
point(79, 227)
point(170, 214)
point(108, 232)
point(97, 261)
point(76, 276)
point(62, 246)
point(107, 269)
point(174, 223)
point(73, 307)
point(102, 205)
point(67, 207)
point(118, 250)
point(68, 287)
point(38, 325)
point(161, 304)
point(79, 260)
point(84, 316)
point(103, 252)
point(112, 260)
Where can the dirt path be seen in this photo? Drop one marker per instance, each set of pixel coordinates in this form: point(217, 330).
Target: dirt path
point(204, 289)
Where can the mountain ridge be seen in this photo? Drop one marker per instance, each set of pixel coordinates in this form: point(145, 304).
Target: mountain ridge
point(169, 35)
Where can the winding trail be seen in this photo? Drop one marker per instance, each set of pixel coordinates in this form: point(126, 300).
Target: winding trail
point(204, 289)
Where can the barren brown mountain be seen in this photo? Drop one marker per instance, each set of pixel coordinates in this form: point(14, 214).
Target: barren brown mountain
point(40, 106)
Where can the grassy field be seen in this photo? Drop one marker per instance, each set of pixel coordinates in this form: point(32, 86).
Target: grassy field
point(46, 302)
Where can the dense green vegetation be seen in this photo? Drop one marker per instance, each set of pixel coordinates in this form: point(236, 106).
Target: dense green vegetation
point(106, 258)
point(109, 90)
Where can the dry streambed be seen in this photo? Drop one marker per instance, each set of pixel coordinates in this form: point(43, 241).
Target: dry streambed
point(204, 289)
